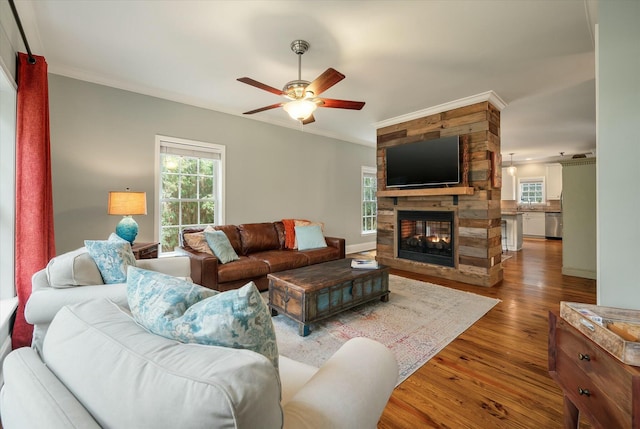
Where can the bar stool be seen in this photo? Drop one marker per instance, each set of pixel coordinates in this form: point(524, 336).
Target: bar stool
point(503, 225)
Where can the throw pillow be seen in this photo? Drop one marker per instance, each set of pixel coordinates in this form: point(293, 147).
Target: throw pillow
point(156, 299)
point(197, 241)
point(112, 257)
point(310, 237)
point(190, 313)
point(221, 246)
point(75, 268)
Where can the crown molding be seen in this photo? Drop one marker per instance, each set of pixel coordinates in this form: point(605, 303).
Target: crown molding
point(489, 96)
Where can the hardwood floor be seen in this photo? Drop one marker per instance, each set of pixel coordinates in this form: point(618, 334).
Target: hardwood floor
point(495, 375)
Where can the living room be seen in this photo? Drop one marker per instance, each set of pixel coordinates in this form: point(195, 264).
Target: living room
point(104, 138)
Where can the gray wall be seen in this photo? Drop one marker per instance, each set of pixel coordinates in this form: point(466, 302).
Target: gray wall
point(103, 139)
point(618, 152)
point(579, 218)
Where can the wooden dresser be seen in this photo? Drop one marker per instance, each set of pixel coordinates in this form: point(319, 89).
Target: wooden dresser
point(593, 381)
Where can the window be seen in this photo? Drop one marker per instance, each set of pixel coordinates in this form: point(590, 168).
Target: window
point(7, 185)
point(369, 201)
point(531, 190)
point(190, 187)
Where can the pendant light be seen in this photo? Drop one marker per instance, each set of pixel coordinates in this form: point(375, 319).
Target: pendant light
point(512, 168)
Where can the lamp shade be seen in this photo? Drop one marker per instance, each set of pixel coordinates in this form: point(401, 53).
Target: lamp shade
point(300, 109)
point(127, 203)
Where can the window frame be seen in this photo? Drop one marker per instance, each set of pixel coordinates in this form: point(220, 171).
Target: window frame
point(539, 181)
point(195, 146)
point(8, 125)
point(366, 171)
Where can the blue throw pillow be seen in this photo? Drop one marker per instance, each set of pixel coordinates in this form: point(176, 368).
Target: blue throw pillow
point(190, 313)
point(112, 257)
point(221, 246)
point(310, 237)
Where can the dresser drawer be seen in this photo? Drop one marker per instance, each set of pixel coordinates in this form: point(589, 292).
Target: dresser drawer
point(592, 380)
point(589, 395)
point(602, 369)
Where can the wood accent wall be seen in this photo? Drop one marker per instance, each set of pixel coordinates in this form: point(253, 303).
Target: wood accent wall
point(477, 216)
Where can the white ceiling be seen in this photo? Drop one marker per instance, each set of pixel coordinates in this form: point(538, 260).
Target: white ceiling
point(399, 57)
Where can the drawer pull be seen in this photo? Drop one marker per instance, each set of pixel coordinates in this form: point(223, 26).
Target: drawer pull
point(582, 356)
point(584, 392)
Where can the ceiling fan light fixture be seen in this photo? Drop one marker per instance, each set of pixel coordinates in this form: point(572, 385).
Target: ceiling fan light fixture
point(300, 109)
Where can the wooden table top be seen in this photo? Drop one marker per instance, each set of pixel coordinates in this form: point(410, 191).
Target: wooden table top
point(320, 276)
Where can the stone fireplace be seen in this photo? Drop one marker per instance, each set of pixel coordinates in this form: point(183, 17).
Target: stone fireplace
point(465, 243)
point(426, 236)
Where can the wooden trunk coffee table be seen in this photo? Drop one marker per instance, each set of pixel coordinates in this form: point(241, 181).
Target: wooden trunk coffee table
point(318, 291)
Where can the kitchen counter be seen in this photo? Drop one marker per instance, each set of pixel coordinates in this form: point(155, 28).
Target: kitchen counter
point(513, 239)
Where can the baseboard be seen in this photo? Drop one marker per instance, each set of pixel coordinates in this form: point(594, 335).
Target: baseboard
point(361, 247)
point(578, 272)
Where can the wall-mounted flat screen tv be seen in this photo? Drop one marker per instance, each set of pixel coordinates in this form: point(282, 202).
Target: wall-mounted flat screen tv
point(424, 163)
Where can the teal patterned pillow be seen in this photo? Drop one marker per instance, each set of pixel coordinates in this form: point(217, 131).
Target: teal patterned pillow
point(112, 257)
point(221, 246)
point(189, 313)
point(157, 299)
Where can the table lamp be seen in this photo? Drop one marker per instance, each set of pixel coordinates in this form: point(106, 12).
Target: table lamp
point(127, 203)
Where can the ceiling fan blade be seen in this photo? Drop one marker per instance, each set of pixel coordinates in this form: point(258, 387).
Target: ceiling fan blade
point(341, 104)
point(262, 109)
point(309, 120)
point(325, 81)
point(260, 85)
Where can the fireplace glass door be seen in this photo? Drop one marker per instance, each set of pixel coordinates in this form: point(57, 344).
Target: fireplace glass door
point(426, 236)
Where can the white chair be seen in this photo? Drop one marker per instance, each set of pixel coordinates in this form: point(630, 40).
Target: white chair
point(74, 277)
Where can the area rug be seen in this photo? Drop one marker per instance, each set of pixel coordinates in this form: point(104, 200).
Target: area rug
point(419, 320)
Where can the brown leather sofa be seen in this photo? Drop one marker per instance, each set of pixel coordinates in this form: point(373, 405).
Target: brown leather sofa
point(261, 248)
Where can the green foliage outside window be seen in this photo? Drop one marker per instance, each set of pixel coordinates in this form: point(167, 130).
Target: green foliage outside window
point(187, 195)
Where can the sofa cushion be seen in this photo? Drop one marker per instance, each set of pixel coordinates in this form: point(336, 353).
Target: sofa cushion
point(112, 257)
point(232, 233)
point(310, 237)
point(244, 268)
point(257, 237)
point(280, 260)
point(221, 246)
point(127, 377)
point(75, 268)
point(324, 254)
point(191, 313)
point(197, 240)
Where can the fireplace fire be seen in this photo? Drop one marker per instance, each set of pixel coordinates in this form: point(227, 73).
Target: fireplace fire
point(426, 236)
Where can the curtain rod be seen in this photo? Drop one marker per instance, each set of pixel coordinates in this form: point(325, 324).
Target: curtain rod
point(32, 60)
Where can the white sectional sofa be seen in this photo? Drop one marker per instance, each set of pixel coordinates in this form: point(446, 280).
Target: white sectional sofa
point(99, 368)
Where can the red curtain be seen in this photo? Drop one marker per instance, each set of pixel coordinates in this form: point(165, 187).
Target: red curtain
point(35, 244)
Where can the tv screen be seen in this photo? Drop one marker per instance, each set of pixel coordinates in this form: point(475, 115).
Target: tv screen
point(424, 163)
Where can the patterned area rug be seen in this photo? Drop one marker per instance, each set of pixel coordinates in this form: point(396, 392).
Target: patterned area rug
point(419, 320)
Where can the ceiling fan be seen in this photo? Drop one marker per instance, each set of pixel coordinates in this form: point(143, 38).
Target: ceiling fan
point(302, 93)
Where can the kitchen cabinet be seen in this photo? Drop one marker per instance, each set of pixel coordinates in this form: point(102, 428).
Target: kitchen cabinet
point(554, 181)
point(508, 191)
point(533, 224)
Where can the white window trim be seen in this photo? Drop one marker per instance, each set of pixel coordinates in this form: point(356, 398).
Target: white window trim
point(8, 110)
point(532, 179)
point(365, 170)
point(197, 145)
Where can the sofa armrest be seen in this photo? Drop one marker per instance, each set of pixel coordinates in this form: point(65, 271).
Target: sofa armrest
point(177, 266)
point(338, 243)
point(204, 267)
point(362, 373)
point(33, 397)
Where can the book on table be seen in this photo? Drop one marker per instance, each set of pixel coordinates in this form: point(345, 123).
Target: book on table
point(364, 264)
